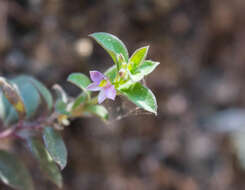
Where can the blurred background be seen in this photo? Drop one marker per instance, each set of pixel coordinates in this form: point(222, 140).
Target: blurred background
point(197, 140)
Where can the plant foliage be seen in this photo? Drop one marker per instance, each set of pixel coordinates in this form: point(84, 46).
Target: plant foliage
point(28, 109)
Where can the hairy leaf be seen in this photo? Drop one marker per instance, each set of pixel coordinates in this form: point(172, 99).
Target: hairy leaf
point(80, 80)
point(79, 100)
point(137, 58)
point(144, 69)
point(111, 44)
point(147, 67)
point(141, 96)
point(111, 73)
point(98, 110)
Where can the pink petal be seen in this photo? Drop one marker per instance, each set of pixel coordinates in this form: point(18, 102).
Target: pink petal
point(93, 87)
point(96, 76)
point(110, 92)
point(101, 96)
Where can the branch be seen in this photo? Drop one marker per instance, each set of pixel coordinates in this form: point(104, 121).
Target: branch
point(22, 125)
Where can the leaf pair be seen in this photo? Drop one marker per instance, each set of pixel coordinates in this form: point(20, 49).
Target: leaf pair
point(136, 67)
point(82, 81)
point(15, 174)
point(54, 152)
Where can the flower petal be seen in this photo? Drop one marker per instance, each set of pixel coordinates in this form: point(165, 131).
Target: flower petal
point(93, 87)
point(110, 92)
point(101, 96)
point(96, 76)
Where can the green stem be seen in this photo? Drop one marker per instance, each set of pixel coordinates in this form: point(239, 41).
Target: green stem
point(94, 100)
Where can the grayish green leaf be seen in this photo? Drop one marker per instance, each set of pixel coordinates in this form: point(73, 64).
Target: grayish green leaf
point(12, 116)
point(13, 172)
point(30, 90)
point(61, 94)
point(55, 146)
point(47, 164)
point(238, 141)
point(62, 100)
point(29, 94)
point(43, 91)
point(5, 108)
point(11, 92)
point(61, 107)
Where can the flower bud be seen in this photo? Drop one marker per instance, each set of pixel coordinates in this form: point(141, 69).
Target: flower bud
point(122, 73)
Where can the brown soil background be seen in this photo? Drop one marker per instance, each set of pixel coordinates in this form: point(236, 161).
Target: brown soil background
point(200, 44)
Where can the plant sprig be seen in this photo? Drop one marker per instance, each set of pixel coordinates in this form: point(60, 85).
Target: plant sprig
point(22, 98)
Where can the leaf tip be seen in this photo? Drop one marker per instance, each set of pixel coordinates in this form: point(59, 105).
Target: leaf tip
point(70, 76)
point(92, 35)
point(155, 112)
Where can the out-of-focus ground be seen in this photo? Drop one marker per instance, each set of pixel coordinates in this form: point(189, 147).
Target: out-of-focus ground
point(201, 47)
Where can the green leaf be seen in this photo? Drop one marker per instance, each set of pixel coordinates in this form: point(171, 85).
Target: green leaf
point(5, 109)
point(61, 103)
point(111, 44)
point(147, 67)
point(80, 80)
point(55, 146)
point(11, 92)
point(141, 96)
point(144, 69)
point(29, 94)
point(137, 58)
point(111, 73)
point(43, 91)
point(78, 101)
point(30, 90)
point(61, 107)
point(238, 142)
point(47, 165)
point(98, 110)
point(13, 172)
point(12, 116)
point(61, 94)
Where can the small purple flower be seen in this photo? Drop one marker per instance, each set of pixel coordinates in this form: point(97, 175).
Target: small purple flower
point(102, 84)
